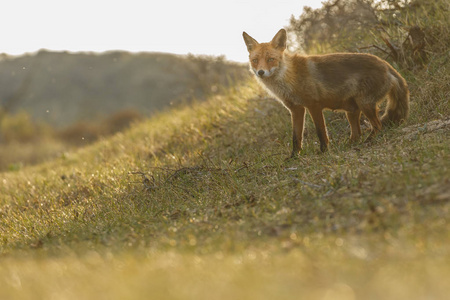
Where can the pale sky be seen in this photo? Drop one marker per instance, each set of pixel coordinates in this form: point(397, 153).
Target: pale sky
point(181, 26)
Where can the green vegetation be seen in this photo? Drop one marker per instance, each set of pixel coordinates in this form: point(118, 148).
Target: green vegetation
point(201, 202)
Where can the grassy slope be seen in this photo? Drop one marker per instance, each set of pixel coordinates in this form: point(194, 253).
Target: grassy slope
point(201, 203)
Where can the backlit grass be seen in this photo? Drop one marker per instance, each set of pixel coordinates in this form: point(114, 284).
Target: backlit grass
point(202, 203)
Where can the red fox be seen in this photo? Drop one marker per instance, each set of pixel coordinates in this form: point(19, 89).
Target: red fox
point(352, 82)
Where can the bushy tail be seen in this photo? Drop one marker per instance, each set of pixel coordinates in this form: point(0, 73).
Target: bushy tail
point(397, 109)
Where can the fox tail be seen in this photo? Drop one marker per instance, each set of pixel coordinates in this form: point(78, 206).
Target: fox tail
point(397, 109)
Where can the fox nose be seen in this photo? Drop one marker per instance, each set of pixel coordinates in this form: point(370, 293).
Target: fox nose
point(261, 73)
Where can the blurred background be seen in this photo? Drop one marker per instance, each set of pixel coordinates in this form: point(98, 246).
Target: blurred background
point(72, 72)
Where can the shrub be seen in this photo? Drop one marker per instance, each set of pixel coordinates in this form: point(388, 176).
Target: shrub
point(404, 32)
point(21, 128)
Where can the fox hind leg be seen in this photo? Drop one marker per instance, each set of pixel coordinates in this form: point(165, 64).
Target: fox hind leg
point(371, 112)
point(319, 122)
point(355, 127)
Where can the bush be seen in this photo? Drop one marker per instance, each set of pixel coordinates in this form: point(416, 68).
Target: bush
point(404, 32)
point(21, 128)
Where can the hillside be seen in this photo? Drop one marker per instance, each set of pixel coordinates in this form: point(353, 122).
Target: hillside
point(201, 201)
point(61, 88)
point(203, 198)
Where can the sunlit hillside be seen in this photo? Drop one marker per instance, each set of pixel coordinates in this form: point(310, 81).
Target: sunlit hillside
point(203, 198)
point(203, 202)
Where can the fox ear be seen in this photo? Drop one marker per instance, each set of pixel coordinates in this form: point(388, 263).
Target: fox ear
point(249, 41)
point(279, 40)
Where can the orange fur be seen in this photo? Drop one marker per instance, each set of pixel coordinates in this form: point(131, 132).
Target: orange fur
point(351, 82)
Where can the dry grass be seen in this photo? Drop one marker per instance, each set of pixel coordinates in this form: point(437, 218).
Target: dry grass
point(204, 200)
point(201, 203)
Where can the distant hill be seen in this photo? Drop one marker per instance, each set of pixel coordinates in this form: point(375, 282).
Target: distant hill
point(61, 88)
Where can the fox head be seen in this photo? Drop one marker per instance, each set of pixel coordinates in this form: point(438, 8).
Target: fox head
point(266, 58)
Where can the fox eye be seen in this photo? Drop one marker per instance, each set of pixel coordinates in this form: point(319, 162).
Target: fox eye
point(270, 59)
point(255, 60)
